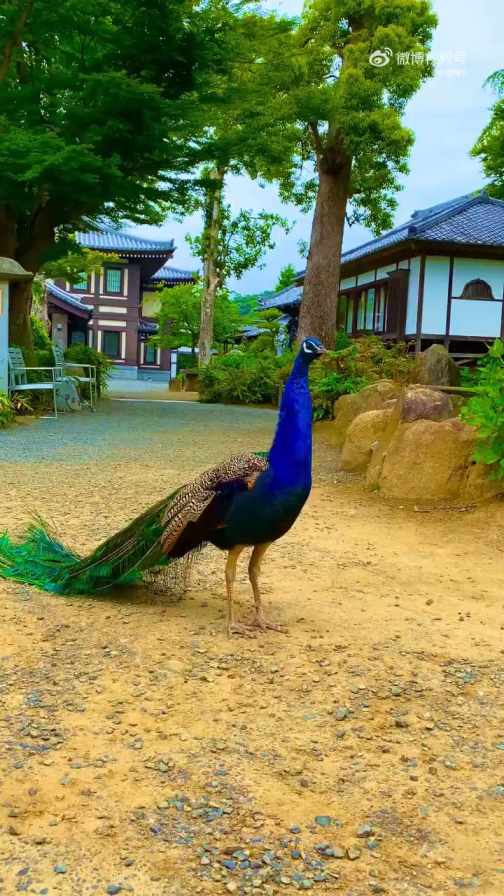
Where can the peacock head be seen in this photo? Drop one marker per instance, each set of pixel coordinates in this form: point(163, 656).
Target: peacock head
point(311, 349)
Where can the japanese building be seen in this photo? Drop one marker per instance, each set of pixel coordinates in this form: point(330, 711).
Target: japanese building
point(438, 278)
point(114, 311)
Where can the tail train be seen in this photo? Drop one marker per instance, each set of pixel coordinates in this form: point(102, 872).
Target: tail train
point(42, 560)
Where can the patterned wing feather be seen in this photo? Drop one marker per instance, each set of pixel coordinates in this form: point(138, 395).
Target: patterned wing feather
point(191, 500)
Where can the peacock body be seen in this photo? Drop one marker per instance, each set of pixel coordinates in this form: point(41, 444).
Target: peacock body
point(250, 500)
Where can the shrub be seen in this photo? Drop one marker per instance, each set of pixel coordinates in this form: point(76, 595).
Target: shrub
point(241, 376)
point(486, 409)
point(40, 333)
point(6, 410)
point(84, 354)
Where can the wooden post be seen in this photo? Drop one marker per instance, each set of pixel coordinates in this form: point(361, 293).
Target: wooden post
point(10, 271)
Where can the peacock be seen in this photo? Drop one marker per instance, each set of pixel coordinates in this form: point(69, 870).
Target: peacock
point(250, 500)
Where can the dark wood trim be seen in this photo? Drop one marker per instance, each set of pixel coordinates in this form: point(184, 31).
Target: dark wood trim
point(421, 282)
point(448, 302)
point(502, 322)
point(411, 248)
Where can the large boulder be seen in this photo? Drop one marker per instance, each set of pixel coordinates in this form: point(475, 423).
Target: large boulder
point(437, 368)
point(348, 407)
point(363, 435)
point(427, 461)
point(479, 486)
point(421, 403)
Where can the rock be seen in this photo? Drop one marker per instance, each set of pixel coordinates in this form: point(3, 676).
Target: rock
point(364, 831)
point(437, 368)
point(341, 713)
point(478, 486)
point(231, 887)
point(323, 820)
point(420, 403)
point(367, 429)
point(60, 869)
point(113, 889)
point(353, 853)
point(427, 461)
point(348, 407)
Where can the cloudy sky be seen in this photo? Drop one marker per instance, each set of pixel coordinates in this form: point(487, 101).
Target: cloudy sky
point(446, 115)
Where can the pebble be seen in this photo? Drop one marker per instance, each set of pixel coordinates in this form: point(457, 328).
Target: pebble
point(341, 713)
point(60, 869)
point(113, 889)
point(323, 820)
point(365, 830)
point(353, 853)
point(231, 887)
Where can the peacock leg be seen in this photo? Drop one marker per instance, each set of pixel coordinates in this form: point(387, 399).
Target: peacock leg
point(233, 627)
point(259, 621)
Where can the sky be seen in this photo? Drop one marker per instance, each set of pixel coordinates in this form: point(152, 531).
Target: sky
point(446, 115)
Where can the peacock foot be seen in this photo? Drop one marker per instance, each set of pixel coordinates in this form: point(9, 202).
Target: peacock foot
point(240, 628)
point(264, 625)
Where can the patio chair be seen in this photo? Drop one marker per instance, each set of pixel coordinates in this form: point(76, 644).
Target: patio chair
point(19, 380)
point(89, 371)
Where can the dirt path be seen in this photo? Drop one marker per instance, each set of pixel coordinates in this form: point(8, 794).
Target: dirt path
point(142, 751)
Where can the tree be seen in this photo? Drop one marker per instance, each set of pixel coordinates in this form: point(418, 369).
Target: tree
point(94, 108)
point(286, 277)
point(490, 144)
point(228, 246)
point(179, 317)
point(343, 79)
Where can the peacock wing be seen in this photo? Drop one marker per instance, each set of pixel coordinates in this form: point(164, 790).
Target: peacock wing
point(191, 501)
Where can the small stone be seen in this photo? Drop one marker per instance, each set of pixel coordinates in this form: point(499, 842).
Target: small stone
point(323, 820)
point(401, 723)
point(396, 691)
point(341, 713)
point(60, 869)
point(295, 829)
point(353, 853)
point(231, 887)
point(113, 889)
point(365, 830)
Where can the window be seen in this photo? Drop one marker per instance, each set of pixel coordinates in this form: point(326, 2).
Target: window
point(361, 311)
point(380, 304)
point(112, 344)
point(342, 312)
point(150, 354)
point(370, 303)
point(81, 282)
point(77, 337)
point(349, 316)
point(477, 289)
point(113, 280)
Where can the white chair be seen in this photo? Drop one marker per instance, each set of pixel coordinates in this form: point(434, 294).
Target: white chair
point(19, 380)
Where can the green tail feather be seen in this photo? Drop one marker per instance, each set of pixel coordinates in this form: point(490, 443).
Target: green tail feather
point(43, 561)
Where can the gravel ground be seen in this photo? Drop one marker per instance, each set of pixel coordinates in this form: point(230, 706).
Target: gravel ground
point(143, 752)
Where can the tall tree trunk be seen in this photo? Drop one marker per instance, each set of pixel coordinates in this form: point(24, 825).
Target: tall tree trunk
point(211, 274)
point(20, 303)
point(321, 283)
point(14, 39)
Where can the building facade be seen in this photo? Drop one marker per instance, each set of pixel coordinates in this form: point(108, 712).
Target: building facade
point(114, 310)
point(439, 278)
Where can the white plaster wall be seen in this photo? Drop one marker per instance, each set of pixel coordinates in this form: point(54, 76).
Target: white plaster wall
point(414, 279)
point(404, 263)
point(367, 277)
point(465, 269)
point(475, 318)
point(435, 294)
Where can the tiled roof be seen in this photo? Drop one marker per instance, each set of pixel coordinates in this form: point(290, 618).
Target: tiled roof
point(107, 238)
point(66, 297)
point(173, 275)
point(474, 219)
point(291, 295)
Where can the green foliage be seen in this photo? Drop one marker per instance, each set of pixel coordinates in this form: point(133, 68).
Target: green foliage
point(84, 354)
point(354, 365)
point(486, 410)
point(286, 277)
point(41, 338)
point(179, 317)
point(242, 376)
point(242, 241)
point(6, 410)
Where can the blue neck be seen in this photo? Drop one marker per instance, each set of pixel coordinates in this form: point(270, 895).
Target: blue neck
point(290, 455)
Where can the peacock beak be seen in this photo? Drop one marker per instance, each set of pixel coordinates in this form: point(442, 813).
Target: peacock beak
point(321, 349)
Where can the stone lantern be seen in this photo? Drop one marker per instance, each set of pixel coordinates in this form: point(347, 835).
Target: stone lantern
point(10, 271)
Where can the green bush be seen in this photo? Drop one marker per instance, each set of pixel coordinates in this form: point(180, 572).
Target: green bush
point(6, 410)
point(84, 354)
point(242, 376)
point(485, 410)
point(40, 333)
